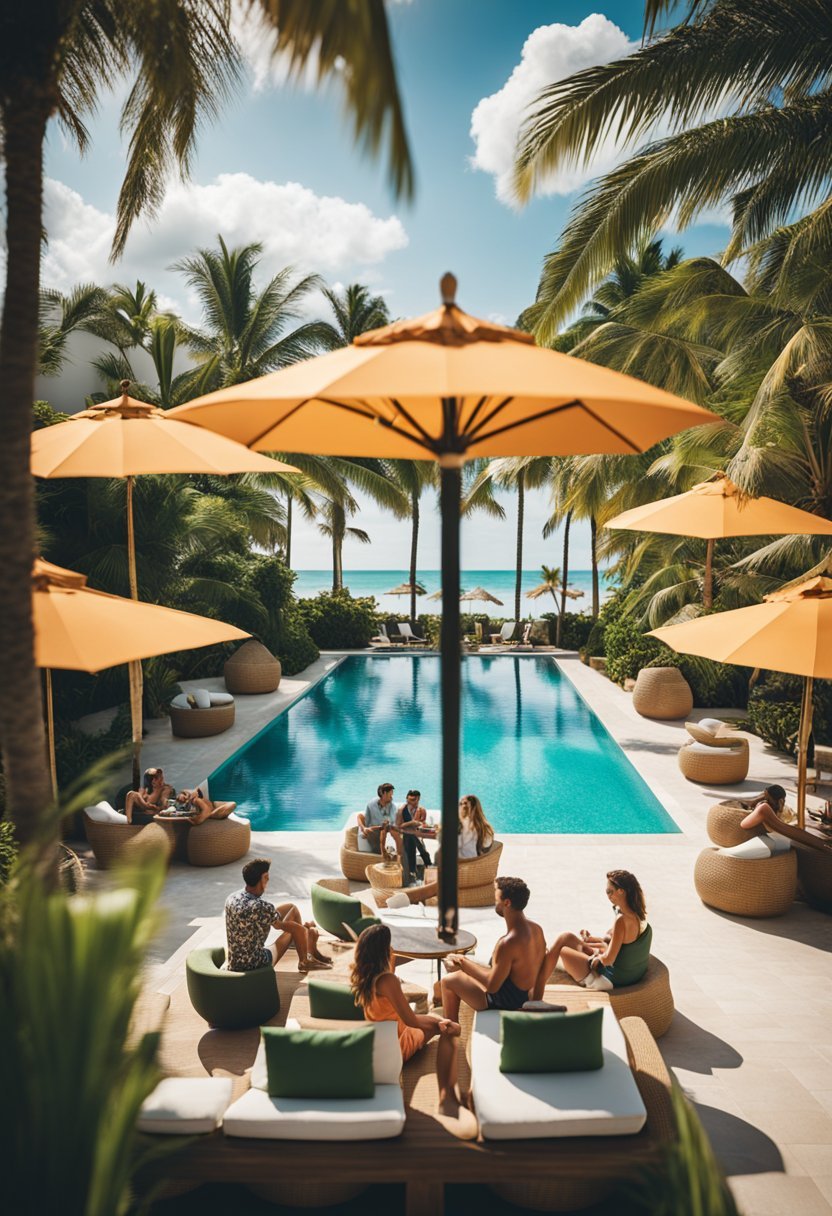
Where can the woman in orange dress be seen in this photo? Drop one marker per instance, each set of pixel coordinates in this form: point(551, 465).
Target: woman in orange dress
point(378, 990)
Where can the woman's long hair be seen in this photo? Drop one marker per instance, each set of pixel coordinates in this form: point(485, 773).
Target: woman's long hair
point(478, 821)
point(624, 881)
point(372, 959)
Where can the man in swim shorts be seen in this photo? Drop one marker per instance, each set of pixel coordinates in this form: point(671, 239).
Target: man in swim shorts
point(504, 984)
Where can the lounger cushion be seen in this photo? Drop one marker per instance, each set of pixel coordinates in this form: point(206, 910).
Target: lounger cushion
point(319, 1063)
point(387, 1055)
point(260, 1117)
point(521, 1106)
point(202, 697)
point(185, 1106)
point(180, 701)
point(758, 848)
point(569, 1043)
point(705, 749)
point(221, 698)
point(710, 724)
point(102, 812)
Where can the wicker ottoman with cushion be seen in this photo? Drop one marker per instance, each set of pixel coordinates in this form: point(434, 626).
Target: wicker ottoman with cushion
point(108, 833)
point(230, 1000)
point(650, 999)
point(218, 842)
point(662, 692)
point(714, 765)
point(200, 722)
point(743, 887)
point(252, 669)
point(353, 862)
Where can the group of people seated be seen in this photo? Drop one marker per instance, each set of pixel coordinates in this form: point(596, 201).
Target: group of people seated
point(156, 796)
point(408, 828)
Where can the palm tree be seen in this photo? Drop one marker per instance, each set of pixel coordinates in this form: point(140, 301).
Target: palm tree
point(413, 477)
point(768, 158)
point(334, 526)
point(63, 315)
point(355, 311)
point(554, 585)
point(58, 60)
point(245, 330)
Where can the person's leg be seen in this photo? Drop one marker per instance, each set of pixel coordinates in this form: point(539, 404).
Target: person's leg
point(222, 809)
point(312, 937)
point(575, 963)
point(409, 858)
point(129, 804)
point(294, 932)
point(552, 958)
point(458, 987)
point(202, 810)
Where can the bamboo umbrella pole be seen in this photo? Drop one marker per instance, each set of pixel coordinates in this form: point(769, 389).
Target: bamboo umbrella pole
point(134, 669)
point(50, 730)
point(803, 734)
point(708, 589)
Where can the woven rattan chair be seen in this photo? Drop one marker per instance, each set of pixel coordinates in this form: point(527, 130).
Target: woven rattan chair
point(353, 862)
point(200, 723)
point(218, 842)
point(252, 669)
point(475, 881)
point(744, 887)
point(662, 692)
point(108, 839)
point(712, 733)
point(723, 824)
point(650, 999)
point(814, 869)
point(714, 765)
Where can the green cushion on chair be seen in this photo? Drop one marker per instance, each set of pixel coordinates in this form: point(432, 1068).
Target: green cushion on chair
point(552, 1042)
point(332, 911)
point(319, 1063)
point(334, 1002)
point(230, 1000)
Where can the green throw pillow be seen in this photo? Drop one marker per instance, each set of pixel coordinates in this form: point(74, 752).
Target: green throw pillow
point(556, 1042)
point(334, 1002)
point(319, 1063)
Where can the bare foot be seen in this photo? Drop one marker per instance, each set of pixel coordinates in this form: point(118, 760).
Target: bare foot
point(322, 958)
point(456, 1118)
point(312, 964)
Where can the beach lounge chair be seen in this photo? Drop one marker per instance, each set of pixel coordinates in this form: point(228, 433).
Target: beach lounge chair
point(383, 638)
point(409, 636)
point(506, 634)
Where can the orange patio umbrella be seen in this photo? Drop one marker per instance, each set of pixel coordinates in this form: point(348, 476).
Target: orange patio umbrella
point(448, 387)
point(80, 629)
point(125, 438)
point(715, 509)
point(790, 631)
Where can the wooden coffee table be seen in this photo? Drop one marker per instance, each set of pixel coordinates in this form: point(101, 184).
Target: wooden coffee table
point(414, 941)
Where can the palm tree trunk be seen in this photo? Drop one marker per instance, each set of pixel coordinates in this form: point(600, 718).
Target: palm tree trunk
point(708, 589)
point(564, 577)
point(21, 708)
point(338, 529)
point(288, 549)
point(521, 512)
point(593, 530)
point(414, 545)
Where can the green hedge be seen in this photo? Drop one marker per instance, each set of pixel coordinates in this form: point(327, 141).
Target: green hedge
point(336, 621)
point(76, 751)
point(774, 710)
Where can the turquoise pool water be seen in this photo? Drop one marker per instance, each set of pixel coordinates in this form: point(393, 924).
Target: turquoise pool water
point(533, 751)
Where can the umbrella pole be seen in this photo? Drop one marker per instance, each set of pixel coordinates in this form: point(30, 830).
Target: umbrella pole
point(50, 730)
point(134, 669)
point(450, 497)
point(708, 589)
point(803, 734)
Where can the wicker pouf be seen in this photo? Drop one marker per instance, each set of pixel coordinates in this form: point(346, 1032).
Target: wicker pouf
point(746, 888)
point(384, 877)
point(814, 870)
point(108, 839)
point(715, 765)
point(662, 692)
point(650, 999)
point(200, 723)
point(218, 842)
point(353, 862)
point(724, 821)
point(252, 669)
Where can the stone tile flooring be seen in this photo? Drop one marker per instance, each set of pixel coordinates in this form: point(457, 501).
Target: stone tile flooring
point(752, 1038)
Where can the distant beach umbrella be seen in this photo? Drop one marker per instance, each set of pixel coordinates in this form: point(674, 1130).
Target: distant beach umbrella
point(407, 589)
point(479, 593)
point(716, 509)
point(437, 595)
point(449, 387)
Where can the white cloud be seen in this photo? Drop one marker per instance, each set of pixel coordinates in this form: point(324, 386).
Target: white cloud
point(296, 227)
point(550, 53)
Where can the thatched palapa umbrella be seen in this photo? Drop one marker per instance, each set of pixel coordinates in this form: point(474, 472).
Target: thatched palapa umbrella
point(446, 386)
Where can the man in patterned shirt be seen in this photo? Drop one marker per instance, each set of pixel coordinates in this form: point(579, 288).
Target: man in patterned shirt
point(248, 918)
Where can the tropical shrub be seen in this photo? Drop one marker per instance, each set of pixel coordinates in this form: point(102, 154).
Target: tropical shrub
point(627, 649)
point(76, 750)
point(575, 631)
point(160, 685)
point(774, 710)
point(714, 685)
point(336, 621)
point(8, 850)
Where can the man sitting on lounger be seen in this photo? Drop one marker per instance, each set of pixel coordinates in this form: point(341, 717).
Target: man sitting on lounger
point(504, 984)
point(376, 823)
point(413, 814)
point(248, 918)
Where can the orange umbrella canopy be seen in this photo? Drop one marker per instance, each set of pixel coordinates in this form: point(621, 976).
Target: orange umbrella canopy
point(79, 629)
point(716, 508)
point(446, 384)
point(126, 438)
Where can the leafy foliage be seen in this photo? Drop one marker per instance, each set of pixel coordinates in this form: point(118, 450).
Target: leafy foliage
point(576, 629)
point(77, 750)
point(337, 621)
point(8, 850)
point(774, 710)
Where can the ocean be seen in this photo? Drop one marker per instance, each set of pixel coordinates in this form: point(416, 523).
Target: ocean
point(498, 582)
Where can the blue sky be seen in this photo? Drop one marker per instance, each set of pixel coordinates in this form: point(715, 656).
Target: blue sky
point(280, 167)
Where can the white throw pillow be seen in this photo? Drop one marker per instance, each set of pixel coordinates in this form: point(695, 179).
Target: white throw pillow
point(221, 698)
point(705, 749)
point(758, 848)
point(202, 697)
point(102, 812)
point(710, 724)
point(180, 701)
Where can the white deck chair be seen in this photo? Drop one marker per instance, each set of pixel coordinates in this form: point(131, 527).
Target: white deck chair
point(409, 636)
point(507, 633)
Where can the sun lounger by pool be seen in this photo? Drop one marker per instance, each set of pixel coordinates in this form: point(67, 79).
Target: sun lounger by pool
point(409, 636)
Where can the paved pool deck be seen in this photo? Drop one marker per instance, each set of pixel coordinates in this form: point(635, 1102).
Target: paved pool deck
point(751, 1041)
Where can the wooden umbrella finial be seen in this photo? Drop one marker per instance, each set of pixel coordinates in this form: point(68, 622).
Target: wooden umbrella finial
point(447, 286)
point(125, 387)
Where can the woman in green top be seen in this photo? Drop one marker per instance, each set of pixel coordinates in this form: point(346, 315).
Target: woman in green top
point(615, 960)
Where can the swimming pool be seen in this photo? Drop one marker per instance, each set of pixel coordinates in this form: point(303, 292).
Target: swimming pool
point(533, 751)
